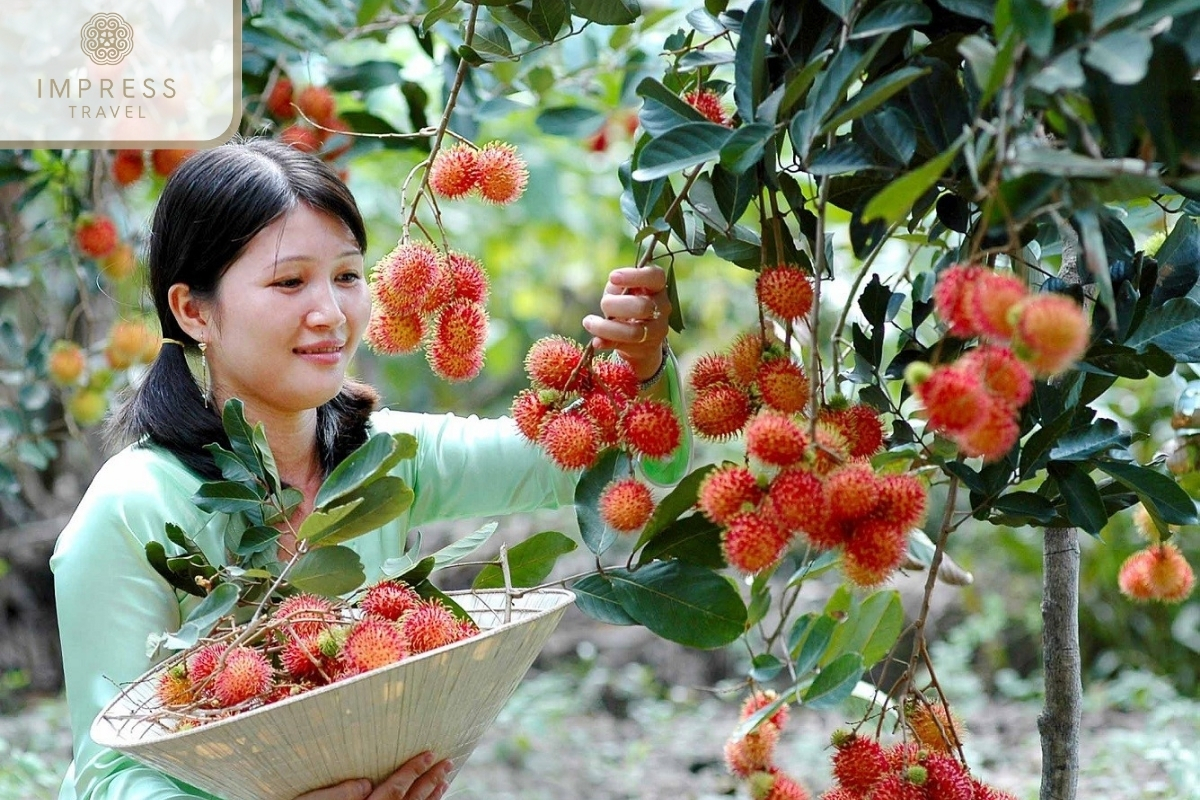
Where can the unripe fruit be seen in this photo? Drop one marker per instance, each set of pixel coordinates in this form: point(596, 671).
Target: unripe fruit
point(120, 264)
point(127, 342)
point(66, 362)
point(87, 407)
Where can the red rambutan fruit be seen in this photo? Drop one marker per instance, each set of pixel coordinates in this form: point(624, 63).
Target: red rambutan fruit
point(861, 426)
point(753, 542)
point(528, 412)
point(726, 492)
point(934, 727)
point(858, 763)
point(317, 103)
point(571, 440)
point(796, 499)
point(469, 280)
point(831, 451)
point(852, 491)
point(993, 298)
point(874, 551)
point(783, 385)
point(128, 166)
point(303, 614)
point(902, 499)
point(462, 326)
point(775, 439)
point(451, 364)
point(429, 626)
point(785, 292)
point(246, 674)
point(1004, 376)
point(301, 137)
point(454, 171)
point(1051, 333)
point(394, 334)
point(279, 101)
point(373, 643)
point(745, 356)
point(550, 362)
point(753, 752)
point(710, 369)
point(895, 786)
point(615, 376)
point(626, 504)
point(302, 659)
point(720, 411)
point(406, 275)
point(954, 399)
point(174, 688)
point(650, 428)
point(165, 162)
point(389, 600)
point(946, 778)
point(708, 103)
point(502, 173)
point(994, 436)
point(840, 793)
point(441, 292)
point(203, 661)
point(1160, 572)
point(605, 414)
point(902, 755)
point(776, 785)
point(953, 299)
point(95, 235)
point(757, 700)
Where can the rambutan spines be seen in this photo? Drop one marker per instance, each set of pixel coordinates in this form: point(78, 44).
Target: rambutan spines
point(616, 377)
point(174, 688)
point(710, 369)
point(852, 491)
point(873, 552)
point(529, 412)
point(861, 427)
point(1159, 572)
point(994, 296)
point(780, 786)
point(406, 276)
point(726, 492)
point(758, 700)
point(895, 786)
point(502, 175)
point(994, 436)
point(783, 385)
point(1004, 376)
point(753, 542)
point(571, 440)
point(551, 361)
point(95, 235)
point(244, 674)
point(451, 364)
point(373, 643)
point(796, 499)
point(202, 662)
point(454, 172)
point(708, 103)
point(903, 500)
point(389, 600)
point(858, 762)
point(626, 504)
point(462, 326)
point(650, 428)
point(302, 659)
point(753, 752)
point(775, 439)
point(934, 726)
point(953, 299)
point(468, 279)
point(785, 292)
point(946, 778)
point(954, 400)
point(394, 334)
point(303, 615)
point(720, 411)
point(429, 626)
point(1051, 333)
point(745, 355)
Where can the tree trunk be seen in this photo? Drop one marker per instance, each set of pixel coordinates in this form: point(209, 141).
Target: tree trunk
point(1060, 719)
point(28, 624)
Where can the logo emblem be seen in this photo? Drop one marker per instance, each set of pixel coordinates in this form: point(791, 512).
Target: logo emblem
point(106, 38)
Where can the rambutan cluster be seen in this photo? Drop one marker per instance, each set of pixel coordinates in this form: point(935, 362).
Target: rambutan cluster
point(822, 488)
point(1159, 572)
point(494, 172)
point(311, 642)
point(752, 757)
point(864, 769)
point(318, 128)
point(424, 297)
point(976, 400)
point(578, 406)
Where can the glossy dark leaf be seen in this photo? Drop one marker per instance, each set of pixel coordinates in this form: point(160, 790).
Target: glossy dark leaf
point(834, 682)
point(529, 562)
point(607, 12)
point(1123, 55)
point(662, 109)
point(232, 467)
point(1083, 443)
point(733, 192)
point(1157, 491)
point(328, 571)
point(765, 667)
point(1178, 261)
point(808, 639)
point(677, 502)
point(227, 497)
point(1085, 506)
point(548, 17)
point(1035, 21)
point(843, 158)
point(692, 539)
point(1027, 507)
point(374, 505)
point(693, 606)
point(365, 75)
point(595, 534)
point(371, 461)
point(749, 66)
point(681, 147)
point(595, 596)
point(873, 95)
point(892, 132)
point(575, 122)
point(157, 556)
point(745, 147)
point(1175, 328)
point(890, 16)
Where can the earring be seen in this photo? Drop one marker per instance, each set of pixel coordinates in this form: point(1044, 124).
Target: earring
point(204, 388)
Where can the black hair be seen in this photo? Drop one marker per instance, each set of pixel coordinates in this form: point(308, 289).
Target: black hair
point(211, 207)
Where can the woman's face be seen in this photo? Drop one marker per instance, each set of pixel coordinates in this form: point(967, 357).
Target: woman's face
point(288, 315)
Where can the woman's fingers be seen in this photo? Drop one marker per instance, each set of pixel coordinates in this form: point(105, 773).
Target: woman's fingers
point(419, 778)
point(346, 790)
point(635, 280)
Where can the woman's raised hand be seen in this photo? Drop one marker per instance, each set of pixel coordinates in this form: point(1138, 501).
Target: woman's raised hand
point(419, 778)
point(636, 309)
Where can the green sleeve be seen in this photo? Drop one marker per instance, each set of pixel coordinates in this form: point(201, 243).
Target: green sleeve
point(109, 601)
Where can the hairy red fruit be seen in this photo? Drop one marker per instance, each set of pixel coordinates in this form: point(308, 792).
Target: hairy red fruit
point(995, 434)
point(953, 299)
point(796, 498)
point(897, 787)
point(626, 504)
point(174, 688)
point(441, 291)
point(726, 492)
point(469, 280)
point(758, 700)
point(985, 792)
point(935, 727)
point(852, 491)
point(303, 614)
point(454, 171)
point(605, 415)
point(831, 451)
point(946, 778)
point(753, 752)
point(317, 103)
point(615, 376)
point(720, 411)
point(373, 643)
point(95, 235)
point(954, 399)
point(389, 600)
point(840, 793)
point(777, 785)
point(128, 166)
point(785, 291)
point(902, 755)
point(783, 385)
point(1051, 333)
point(571, 440)
point(858, 763)
point(745, 356)
point(502, 173)
point(993, 299)
point(165, 162)
point(404, 277)
point(451, 364)
point(246, 674)
point(393, 334)
point(650, 428)
point(753, 542)
point(708, 103)
point(302, 659)
point(529, 412)
point(710, 369)
point(874, 551)
point(551, 361)
point(429, 626)
point(279, 101)
point(861, 427)
point(775, 439)
point(1160, 572)
point(462, 326)
point(1004, 376)
point(301, 137)
point(200, 664)
point(903, 500)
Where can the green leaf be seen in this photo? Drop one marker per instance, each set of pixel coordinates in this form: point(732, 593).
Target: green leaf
point(808, 639)
point(491, 42)
point(681, 147)
point(745, 147)
point(227, 497)
point(892, 132)
point(1175, 328)
point(364, 76)
point(576, 122)
point(368, 10)
point(750, 63)
point(692, 539)
point(698, 59)
point(436, 14)
point(701, 198)
point(328, 571)
point(515, 19)
point(1085, 506)
point(895, 200)
point(873, 95)
point(693, 606)
point(232, 468)
point(321, 521)
point(835, 682)
point(548, 17)
point(839, 8)
point(607, 12)
point(663, 109)
point(873, 627)
point(249, 443)
point(891, 16)
point(595, 533)
point(1035, 21)
point(204, 617)
point(1064, 72)
point(456, 551)
point(383, 500)
point(1083, 443)
point(765, 667)
point(529, 563)
point(1023, 508)
point(1159, 493)
point(595, 596)
point(157, 556)
point(678, 501)
point(1123, 55)
point(255, 539)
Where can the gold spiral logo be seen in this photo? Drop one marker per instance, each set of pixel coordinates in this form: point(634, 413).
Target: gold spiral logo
point(106, 38)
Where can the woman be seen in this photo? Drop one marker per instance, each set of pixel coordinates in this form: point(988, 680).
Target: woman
point(256, 258)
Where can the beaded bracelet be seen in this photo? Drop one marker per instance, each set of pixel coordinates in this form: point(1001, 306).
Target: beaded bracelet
point(658, 373)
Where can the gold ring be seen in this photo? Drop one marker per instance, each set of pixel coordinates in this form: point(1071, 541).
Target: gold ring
point(645, 333)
